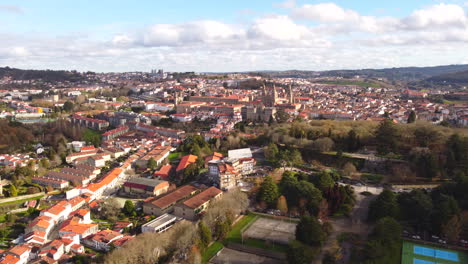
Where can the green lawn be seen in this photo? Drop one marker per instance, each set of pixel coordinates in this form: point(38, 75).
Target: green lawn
point(22, 200)
point(372, 178)
point(211, 251)
point(235, 235)
point(174, 156)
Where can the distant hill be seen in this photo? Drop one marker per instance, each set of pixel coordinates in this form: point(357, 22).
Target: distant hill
point(460, 78)
point(45, 75)
point(397, 74)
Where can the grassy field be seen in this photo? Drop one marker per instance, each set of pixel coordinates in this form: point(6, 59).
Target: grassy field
point(408, 256)
point(174, 156)
point(235, 236)
point(22, 200)
point(211, 251)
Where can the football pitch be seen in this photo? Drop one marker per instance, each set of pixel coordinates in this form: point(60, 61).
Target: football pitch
point(413, 253)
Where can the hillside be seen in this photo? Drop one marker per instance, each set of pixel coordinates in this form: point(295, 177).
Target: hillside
point(460, 78)
point(392, 74)
point(45, 75)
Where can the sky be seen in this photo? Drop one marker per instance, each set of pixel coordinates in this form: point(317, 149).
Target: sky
point(231, 35)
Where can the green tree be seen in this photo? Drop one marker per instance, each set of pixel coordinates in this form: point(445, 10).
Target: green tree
point(268, 192)
point(323, 180)
point(296, 157)
point(298, 253)
point(385, 205)
point(309, 231)
point(281, 116)
point(384, 243)
point(416, 208)
point(13, 190)
point(152, 163)
point(272, 153)
point(68, 106)
point(352, 141)
point(310, 197)
point(205, 235)
point(386, 137)
point(44, 163)
point(92, 137)
point(129, 208)
point(411, 117)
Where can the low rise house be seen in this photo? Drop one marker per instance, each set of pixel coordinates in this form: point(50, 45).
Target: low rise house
point(102, 240)
point(192, 207)
point(165, 204)
point(146, 187)
point(52, 182)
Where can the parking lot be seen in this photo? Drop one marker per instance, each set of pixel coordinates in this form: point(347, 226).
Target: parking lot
point(231, 256)
point(276, 231)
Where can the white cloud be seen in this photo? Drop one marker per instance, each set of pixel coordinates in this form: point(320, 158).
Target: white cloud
point(437, 15)
point(325, 12)
point(287, 4)
point(338, 38)
point(11, 9)
point(277, 28)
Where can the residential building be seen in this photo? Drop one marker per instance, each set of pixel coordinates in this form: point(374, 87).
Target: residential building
point(192, 207)
point(145, 187)
point(165, 204)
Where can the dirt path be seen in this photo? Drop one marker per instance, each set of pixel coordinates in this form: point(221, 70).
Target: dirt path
point(356, 223)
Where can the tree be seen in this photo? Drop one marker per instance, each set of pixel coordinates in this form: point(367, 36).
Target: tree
point(416, 208)
point(268, 191)
point(384, 243)
point(13, 190)
point(129, 208)
point(190, 172)
point(110, 209)
point(44, 163)
point(68, 106)
point(411, 117)
point(282, 204)
point(272, 153)
point(298, 253)
point(452, 229)
point(281, 116)
point(349, 169)
point(386, 137)
point(353, 142)
point(296, 157)
point(152, 164)
point(323, 180)
point(309, 197)
point(205, 235)
point(323, 144)
point(309, 231)
point(385, 205)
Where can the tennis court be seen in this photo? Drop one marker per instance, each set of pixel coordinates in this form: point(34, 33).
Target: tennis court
point(413, 253)
point(436, 253)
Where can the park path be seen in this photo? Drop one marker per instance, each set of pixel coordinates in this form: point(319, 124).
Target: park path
point(356, 223)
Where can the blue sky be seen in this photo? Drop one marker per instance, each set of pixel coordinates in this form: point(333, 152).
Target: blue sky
point(209, 35)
